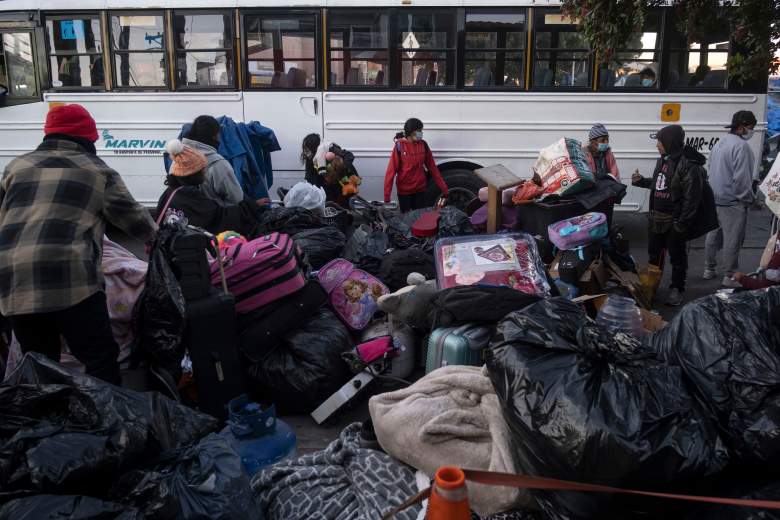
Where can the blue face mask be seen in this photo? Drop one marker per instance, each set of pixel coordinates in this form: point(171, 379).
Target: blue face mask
point(603, 147)
point(647, 82)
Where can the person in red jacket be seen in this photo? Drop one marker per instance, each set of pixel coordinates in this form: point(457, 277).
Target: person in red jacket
point(409, 161)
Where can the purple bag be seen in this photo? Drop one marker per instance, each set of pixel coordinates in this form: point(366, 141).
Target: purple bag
point(508, 217)
point(353, 292)
point(578, 231)
point(261, 271)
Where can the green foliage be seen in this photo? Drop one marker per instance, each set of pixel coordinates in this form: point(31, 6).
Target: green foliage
point(609, 25)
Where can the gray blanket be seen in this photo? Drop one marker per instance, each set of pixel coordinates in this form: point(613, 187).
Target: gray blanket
point(341, 482)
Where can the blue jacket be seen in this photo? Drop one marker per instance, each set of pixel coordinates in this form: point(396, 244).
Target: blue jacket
point(248, 147)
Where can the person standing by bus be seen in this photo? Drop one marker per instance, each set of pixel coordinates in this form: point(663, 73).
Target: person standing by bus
point(731, 166)
point(676, 192)
point(326, 164)
point(599, 153)
point(55, 203)
point(409, 160)
point(221, 183)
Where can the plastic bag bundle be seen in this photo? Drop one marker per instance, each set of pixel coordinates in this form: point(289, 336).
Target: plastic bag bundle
point(590, 406)
point(563, 168)
point(305, 195)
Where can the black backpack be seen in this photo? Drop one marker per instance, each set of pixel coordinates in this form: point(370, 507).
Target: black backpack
point(397, 266)
point(478, 304)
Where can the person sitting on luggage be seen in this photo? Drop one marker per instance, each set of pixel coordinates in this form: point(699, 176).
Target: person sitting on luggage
point(185, 196)
point(221, 183)
point(600, 157)
point(769, 278)
point(409, 160)
point(327, 164)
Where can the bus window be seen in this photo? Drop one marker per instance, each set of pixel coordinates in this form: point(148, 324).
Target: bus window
point(561, 56)
point(281, 51)
point(138, 44)
point(358, 48)
point(700, 64)
point(495, 55)
point(204, 49)
point(75, 48)
point(426, 47)
point(636, 66)
point(19, 65)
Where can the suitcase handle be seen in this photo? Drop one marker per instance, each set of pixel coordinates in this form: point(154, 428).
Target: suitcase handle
point(221, 266)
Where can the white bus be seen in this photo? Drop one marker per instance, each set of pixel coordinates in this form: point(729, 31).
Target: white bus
point(493, 81)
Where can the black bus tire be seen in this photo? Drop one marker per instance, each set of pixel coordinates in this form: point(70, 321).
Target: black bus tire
point(464, 186)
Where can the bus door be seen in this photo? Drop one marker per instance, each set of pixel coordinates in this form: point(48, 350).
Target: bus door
point(282, 88)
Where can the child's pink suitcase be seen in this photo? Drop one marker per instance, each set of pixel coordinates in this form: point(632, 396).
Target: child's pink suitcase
point(578, 231)
point(353, 292)
point(260, 271)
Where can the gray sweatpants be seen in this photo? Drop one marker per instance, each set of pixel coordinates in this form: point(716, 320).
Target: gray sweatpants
point(729, 237)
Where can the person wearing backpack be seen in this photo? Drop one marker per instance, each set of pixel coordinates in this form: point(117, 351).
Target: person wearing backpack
point(681, 205)
point(409, 160)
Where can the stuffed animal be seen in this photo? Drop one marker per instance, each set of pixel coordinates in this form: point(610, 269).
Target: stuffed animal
point(412, 304)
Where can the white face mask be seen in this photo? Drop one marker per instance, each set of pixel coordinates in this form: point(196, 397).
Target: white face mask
point(419, 134)
point(748, 135)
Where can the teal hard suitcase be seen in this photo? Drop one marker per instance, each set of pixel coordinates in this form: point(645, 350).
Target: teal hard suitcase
point(464, 345)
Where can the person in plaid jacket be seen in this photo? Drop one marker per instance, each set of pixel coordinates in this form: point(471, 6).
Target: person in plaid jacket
point(55, 203)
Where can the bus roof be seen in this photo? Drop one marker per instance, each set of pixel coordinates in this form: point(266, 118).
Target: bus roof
point(86, 5)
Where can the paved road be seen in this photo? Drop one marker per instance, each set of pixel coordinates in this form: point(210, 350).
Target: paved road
point(312, 437)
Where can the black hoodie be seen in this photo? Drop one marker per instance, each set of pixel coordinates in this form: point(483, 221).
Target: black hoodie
point(676, 190)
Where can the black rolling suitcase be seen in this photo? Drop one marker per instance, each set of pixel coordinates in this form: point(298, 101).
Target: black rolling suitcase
point(210, 337)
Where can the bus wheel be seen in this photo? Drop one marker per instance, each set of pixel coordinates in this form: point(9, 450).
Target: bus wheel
point(463, 184)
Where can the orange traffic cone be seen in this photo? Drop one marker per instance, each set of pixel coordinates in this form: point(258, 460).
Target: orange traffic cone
point(449, 497)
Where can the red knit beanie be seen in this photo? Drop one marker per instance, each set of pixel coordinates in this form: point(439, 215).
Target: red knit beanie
point(73, 120)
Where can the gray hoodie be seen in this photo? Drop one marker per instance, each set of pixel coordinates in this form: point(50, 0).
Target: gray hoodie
point(731, 169)
point(221, 183)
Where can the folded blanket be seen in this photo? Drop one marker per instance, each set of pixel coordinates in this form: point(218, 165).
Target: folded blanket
point(341, 482)
point(450, 417)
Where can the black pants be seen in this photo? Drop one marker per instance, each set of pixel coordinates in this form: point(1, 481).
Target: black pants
point(86, 328)
point(412, 202)
point(670, 242)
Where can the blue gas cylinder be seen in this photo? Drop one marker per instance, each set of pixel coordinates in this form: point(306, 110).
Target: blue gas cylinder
point(259, 438)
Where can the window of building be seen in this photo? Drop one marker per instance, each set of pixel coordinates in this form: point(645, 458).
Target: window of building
point(426, 48)
point(75, 47)
point(138, 45)
point(636, 66)
point(699, 64)
point(18, 65)
point(358, 48)
point(204, 49)
point(281, 51)
point(495, 50)
point(561, 56)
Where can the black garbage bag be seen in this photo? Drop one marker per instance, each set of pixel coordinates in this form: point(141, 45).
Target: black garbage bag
point(290, 221)
point(158, 317)
point(454, 223)
point(306, 367)
point(729, 349)
point(205, 480)
point(66, 432)
point(397, 266)
point(740, 489)
point(366, 242)
point(320, 245)
point(72, 507)
point(589, 406)
point(399, 231)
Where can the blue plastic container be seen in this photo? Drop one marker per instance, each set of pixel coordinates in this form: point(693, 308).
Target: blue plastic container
point(259, 438)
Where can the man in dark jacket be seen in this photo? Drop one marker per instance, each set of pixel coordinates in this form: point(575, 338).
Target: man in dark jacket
point(676, 195)
point(54, 206)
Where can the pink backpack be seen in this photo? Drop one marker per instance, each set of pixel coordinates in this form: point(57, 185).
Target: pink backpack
point(353, 292)
point(578, 231)
point(260, 271)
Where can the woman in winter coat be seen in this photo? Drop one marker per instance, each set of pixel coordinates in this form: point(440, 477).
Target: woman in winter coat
point(186, 197)
point(600, 157)
point(221, 183)
point(677, 213)
point(327, 163)
point(409, 160)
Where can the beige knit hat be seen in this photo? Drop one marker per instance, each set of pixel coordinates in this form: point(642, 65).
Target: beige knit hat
point(186, 161)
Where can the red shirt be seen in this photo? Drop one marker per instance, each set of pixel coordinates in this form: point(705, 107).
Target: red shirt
point(774, 263)
point(408, 165)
